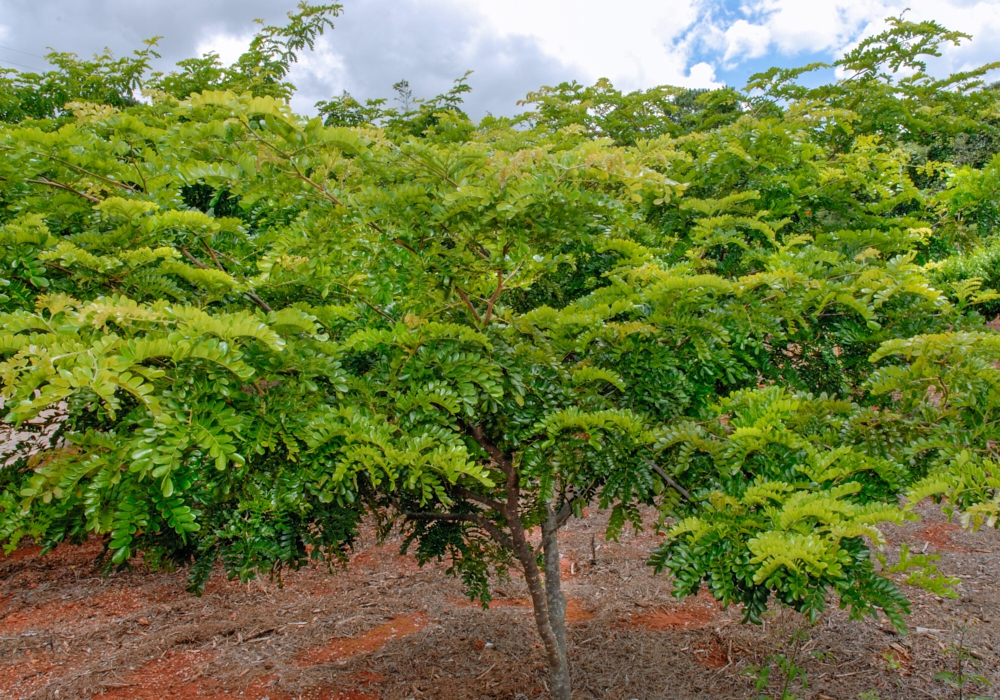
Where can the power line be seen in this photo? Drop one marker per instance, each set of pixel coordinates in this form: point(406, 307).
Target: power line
point(7, 48)
point(21, 65)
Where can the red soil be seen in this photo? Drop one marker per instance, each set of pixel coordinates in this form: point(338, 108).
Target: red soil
point(577, 613)
point(139, 635)
point(176, 677)
point(51, 615)
point(179, 679)
point(506, 603)
point(939, 535)
point(711, 654)
point(179, 675)
point(33, 666)
point(374, 558)
point(693, 613)
point(341, 649)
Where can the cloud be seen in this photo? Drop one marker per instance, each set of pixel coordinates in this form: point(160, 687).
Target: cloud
point(786, 28)
point(514, 46)
point(374, 44)
point(745, 40)
point(430, 43)
point(88, 26)
point(702, 74)
point(634, 43)
point(228, 47)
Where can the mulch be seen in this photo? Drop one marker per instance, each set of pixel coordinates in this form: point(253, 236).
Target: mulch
point(387, 628)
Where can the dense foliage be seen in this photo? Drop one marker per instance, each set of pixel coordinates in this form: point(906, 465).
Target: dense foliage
point(763, 312)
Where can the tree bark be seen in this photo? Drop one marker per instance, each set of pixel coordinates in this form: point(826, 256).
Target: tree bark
point(554, 651)
point(553, 641)
point(555, 599)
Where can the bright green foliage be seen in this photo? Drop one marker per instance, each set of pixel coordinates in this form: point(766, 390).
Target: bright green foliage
point(760, 312)
point(789, 491)
point(921, 572)
point(950, 395)
point(603, 112)
point(261, 70)
point(103, 80)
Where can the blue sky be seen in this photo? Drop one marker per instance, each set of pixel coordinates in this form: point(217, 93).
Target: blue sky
point(513, 46)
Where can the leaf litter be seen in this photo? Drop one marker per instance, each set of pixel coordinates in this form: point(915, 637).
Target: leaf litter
point(386, 628)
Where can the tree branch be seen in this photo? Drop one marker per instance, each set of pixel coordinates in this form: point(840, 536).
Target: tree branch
point(315, 185)
point(563, 515)
point(663, 475)
point(491, 529)
point(60, 186)
point(468, 302)
point(447, 517)
point(477, 434)
point(89, 172)
point(495, 533)
point(195, 261)
point(265, 307)
point(252, 296)
point(501, 285)
point(400, 242)
point(443, 175)
point(479, 498)
point(77, 168)
point(211, 254)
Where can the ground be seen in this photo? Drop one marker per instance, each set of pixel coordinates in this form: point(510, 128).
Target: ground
point(386, 628)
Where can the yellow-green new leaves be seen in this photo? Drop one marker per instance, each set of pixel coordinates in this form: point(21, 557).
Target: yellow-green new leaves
point(261, 325)
point(103, 347)
point(949, 391)
point(784, 507)
point(802, 528)
point(971, 487)
point(356, 447)
point(157, 261)
point(278, 121)
point(584, 375)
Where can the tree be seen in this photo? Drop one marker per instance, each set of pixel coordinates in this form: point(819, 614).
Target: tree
point(645, 114)
point(261, 70)
point(103, 80)
point(265, 327)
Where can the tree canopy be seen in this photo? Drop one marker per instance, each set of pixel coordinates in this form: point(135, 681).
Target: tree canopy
point(763, 312)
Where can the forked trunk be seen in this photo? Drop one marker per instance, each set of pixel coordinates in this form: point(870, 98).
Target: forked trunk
point(550, 617)
point(547, 600)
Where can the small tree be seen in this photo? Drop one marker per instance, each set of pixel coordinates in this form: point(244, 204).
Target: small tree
point(264, 327)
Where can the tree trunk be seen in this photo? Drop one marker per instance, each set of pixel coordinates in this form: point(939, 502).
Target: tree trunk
point(551, 621)
point(554, 597)
point(554, 641)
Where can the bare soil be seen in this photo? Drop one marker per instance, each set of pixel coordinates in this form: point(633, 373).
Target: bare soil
point(386, 628)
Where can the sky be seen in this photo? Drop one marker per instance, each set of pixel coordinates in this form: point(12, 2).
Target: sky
point(513, 46)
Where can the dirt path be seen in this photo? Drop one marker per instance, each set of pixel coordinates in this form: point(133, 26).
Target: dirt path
point(386, 628)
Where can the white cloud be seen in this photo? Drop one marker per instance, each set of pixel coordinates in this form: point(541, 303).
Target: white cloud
point(513, 45)
point(634, 43)
point(816, 25)
point(229, 47)
point(745, 40)
point(702, 74)
point(791, 27)
point(517, 45)
point(430, 43)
